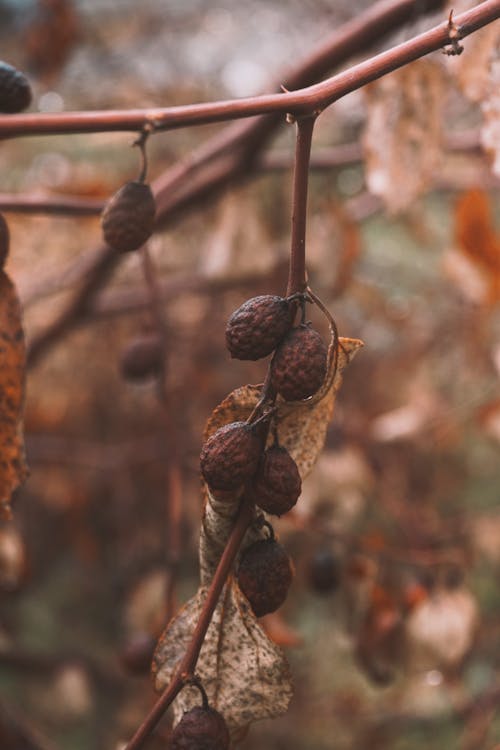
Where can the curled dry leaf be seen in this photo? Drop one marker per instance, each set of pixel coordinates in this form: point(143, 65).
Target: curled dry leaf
point(403, 134)
point(262, 689)
point(13, 470)
point(472, 70)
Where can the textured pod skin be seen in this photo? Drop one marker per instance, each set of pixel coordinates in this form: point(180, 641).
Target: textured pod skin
point(277, 484)
point(200, 729)
point(142, 358)
point(264, 575)
point(299, 365)
point(255, 329)
point(15, 91)
point(4, 241)
point(230, 456)
point(128, 217)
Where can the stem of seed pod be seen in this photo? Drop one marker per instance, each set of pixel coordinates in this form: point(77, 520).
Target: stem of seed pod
point(195, 681)
point(140, 142)
point(297, 277)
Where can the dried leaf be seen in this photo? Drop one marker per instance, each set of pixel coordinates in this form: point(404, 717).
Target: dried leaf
point(13, 468)
point(302, 426)
point(245, 675)
point(472, 69)
point(440, 631)
point(490, 132)
point(302, 430)
point(403, 135)
point(477, 238)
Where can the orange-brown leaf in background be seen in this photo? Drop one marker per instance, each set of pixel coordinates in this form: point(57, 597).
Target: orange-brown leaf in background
point(476, 236)
point(13, 468)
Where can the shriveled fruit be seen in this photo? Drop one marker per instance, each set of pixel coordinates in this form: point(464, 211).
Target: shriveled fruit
point(255, 329)
point(128, 217)
point(231, 455)
point(264, 575)
point(277, 484)
point(200, 729)
point(142, 358)
point(15, 91)
point(323, 571)
point(299, 365)
point(4, 241)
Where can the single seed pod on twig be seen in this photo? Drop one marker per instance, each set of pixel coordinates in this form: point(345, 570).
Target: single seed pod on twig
point(299, 365)
point(255, 329)
point(277, 484)
point(128, 217)
point(200, 729)
point(15, 90)
point(142, 358)
point(264, 575)
point(231, 455)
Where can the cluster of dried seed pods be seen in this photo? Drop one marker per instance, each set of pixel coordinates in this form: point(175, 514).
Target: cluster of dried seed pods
point(235, 460)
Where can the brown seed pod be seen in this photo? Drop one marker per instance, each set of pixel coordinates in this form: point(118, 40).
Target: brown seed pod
point(128, 217)
point(142, 358)
point(231, 455)
point(15, 90)
point(4, 241)
point(200, 729)
point(299, 365)
point(323, 571)
point(137, 653)
point(277, 484)
point(264, 575)
point(255, 329)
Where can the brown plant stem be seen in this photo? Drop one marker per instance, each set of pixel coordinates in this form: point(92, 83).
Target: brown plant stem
point(297, 277)
point(173, 494)
point(189, 182)
point(188, 664)
point(303, 101)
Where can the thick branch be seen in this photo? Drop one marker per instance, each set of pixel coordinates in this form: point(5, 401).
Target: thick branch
point(304, 101)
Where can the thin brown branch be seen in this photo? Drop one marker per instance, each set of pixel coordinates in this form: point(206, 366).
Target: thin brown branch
point(297, 277)
point(188, 663)
point(304, 101)
point(243, 142)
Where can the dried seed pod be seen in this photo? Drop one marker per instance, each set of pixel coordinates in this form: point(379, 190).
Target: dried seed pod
point(323, 571)
point(15, 91)
point(255, 329)
point(142, 358)
point(277, 484)
point(128, 217)
point(264, 575)
point(4, 241)
point(137, 653)
point(200, 729)
point(299, 365)
point(231, 455)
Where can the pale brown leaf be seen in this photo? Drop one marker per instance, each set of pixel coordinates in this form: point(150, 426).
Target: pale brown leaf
point(13, 469)
point(403, 134)
point(245, 675)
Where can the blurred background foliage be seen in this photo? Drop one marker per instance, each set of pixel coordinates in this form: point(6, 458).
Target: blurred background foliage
point(393, 625)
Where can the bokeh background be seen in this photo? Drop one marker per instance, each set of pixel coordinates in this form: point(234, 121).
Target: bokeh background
point(392, 627)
